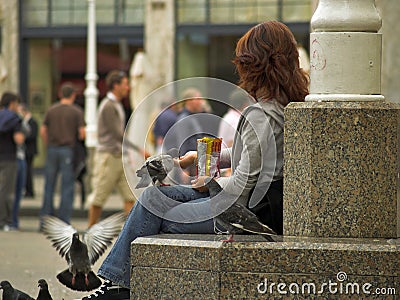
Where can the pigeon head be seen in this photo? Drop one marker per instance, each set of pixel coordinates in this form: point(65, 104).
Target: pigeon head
point(42, 284)
point(5, 285)
point(75, 237)
point(168, 163)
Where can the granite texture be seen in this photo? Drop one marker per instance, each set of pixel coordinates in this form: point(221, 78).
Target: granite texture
point(341, 169)
point(203, 267)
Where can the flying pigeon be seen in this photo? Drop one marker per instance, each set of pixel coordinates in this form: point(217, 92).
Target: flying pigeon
point(44, 293)
point(238, 218)
point(81, 255)
point(9, 293)
point(155, 169)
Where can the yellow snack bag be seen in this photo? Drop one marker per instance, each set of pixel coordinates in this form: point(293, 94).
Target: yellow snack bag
point(208, 155)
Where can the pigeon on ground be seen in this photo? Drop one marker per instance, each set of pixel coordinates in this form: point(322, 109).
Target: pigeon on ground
point(155, 169)
point(9, 293)
point(44, 293)
point(81, 255)
point(238, 218)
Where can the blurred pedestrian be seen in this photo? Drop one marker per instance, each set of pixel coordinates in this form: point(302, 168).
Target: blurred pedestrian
point(80, 153)
point(238, 101)
point(164, 121)
point(30, 148)
point(63, 123)
point(21, 173)
point(10, 136)
point(108, 170)
point(189, 127)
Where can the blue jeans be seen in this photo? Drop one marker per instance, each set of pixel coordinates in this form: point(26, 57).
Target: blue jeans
point(142, 222)
point(59, 160)
point(19, 185)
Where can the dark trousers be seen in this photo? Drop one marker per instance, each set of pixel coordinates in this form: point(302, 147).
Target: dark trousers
point(29, 190)
point(270, 209)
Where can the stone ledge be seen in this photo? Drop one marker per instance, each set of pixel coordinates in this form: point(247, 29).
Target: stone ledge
point(202, 267)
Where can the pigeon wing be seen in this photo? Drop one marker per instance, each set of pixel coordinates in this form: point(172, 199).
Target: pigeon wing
point(59, 233)
point(20, 295)
point(98, 237)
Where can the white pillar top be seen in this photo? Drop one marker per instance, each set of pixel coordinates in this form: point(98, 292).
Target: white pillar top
point(345, 51)
point(346, 15)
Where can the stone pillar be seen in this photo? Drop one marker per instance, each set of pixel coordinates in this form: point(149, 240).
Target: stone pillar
point(345, 51)
point(9, 56)
point(342, 144)
point(151, 69)
point(390, 12)
point(91, 91)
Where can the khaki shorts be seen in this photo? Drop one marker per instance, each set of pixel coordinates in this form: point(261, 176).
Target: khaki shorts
point(108, 173)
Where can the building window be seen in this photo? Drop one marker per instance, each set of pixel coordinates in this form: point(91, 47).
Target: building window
point(50, 13)
point(35, 13)
point(242, 11)
point(72, 12)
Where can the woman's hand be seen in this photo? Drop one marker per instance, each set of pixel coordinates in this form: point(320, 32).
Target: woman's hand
point(200, 183)
point(188, 159)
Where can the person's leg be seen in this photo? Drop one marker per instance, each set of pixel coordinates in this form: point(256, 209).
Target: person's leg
point(94, 214)
point(8, 173)
point(116, 266)
point(123, 187)
point(128, 205)
point(81, 182)
point(141, 222)
point(195, 217)
point(67, 184)
point(103, 182)
point(51, 172)
point(29, 190)
point(19, 185)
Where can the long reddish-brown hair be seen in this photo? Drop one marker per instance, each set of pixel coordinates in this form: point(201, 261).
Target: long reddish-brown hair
point(267, 61)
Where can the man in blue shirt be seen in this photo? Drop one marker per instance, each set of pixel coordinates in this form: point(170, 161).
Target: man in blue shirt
point(10, 136)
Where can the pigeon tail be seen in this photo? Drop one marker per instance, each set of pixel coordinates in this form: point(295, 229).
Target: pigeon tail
point(83, 283)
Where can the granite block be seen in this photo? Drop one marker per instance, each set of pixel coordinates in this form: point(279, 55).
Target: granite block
point(341, 169)
point(246, 269)
point(160, 283)
point(190, 252)
point(307, 256)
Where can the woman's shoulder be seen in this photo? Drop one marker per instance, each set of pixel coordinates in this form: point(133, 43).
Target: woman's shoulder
point(270, 109)
point(264, 106)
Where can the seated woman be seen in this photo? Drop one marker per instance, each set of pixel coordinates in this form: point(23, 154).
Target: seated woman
point(267, 62)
